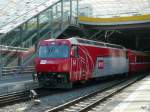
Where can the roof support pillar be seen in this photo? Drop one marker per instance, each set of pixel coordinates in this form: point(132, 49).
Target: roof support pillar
point(70, 11)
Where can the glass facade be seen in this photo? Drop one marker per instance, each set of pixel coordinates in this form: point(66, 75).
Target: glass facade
point(12, 9)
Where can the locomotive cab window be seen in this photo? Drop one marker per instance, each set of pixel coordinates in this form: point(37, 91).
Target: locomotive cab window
point(74, 51)
point(53, 51)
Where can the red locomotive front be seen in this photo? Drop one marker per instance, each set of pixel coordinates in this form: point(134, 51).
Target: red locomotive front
point(53, 62)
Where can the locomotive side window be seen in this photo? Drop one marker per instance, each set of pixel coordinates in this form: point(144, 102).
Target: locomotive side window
point(75, 51)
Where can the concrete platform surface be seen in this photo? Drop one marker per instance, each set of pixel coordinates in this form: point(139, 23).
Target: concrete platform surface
point(15, 84)
point(135, 98)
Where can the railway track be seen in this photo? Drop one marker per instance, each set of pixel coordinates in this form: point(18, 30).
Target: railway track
point(87, 102)
point(14, 97)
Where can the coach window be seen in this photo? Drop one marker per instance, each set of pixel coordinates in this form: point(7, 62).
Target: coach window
point(75, 50)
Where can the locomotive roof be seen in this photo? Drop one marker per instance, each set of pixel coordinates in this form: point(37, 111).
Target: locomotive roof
point(76, 40)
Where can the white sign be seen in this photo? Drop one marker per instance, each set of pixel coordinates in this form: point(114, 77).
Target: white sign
point(43, 62)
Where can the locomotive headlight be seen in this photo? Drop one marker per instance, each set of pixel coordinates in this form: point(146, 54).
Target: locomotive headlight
point(60, 76)
point(43, 62)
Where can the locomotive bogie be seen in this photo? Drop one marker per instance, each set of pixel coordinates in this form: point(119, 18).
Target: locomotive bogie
point(53, 80)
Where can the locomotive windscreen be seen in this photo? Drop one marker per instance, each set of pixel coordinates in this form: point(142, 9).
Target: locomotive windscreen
point(53, 51)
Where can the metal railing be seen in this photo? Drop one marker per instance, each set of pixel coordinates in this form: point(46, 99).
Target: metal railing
point(17, 70)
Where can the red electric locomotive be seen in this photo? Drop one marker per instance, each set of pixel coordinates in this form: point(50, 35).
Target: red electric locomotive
point(61, 62)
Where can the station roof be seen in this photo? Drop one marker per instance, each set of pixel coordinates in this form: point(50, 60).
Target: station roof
point(15, 12)
point(93, 12)
point(110, 12)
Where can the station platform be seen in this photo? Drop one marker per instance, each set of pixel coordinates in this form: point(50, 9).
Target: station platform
point(12, 84)
point(135, 98)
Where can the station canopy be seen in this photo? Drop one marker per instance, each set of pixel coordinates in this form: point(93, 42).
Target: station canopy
point(15, 12)
point(115, 8)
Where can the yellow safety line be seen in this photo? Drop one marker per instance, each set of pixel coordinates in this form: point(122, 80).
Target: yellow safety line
point(115, 19)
